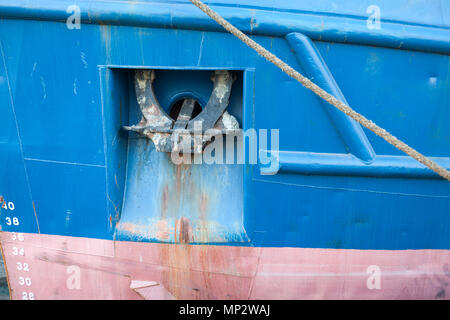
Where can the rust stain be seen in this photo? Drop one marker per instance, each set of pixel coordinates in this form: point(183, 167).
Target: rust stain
point(205, 261)
point(178, 178)
point(115, 179)
point(182, 178)
point(165, 198)
point(203, 205)
point(178, 277)
point(185, 201)
point(35, 215)
point(183, 231)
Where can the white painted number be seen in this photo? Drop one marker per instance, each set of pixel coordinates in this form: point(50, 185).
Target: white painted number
point(10, 205)
point(23, 266)
point(17, 236)
point(25, 281)
point(14, 221)
point(20, 251)
point(27, 295)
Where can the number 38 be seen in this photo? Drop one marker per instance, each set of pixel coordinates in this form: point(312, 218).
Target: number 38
point(14, 221)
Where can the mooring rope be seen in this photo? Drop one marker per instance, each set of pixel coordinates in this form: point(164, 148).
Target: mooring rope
point(322, 93)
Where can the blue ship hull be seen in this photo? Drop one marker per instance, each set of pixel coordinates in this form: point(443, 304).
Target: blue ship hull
point(69, 169)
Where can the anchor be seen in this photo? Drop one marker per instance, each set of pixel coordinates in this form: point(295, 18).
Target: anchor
point(169, 135)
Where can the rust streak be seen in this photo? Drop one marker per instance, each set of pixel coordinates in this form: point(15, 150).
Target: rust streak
point(183, 231)
point(165, 198)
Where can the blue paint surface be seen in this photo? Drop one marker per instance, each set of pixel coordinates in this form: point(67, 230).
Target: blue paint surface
point(69, 168)
point(316, 68)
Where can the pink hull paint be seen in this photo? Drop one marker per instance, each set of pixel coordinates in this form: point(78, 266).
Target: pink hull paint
point(133, 270)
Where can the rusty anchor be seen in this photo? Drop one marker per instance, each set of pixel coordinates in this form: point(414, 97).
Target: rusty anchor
point(170, 135)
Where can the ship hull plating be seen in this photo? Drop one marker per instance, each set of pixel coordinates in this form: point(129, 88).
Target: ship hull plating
point(62, 267)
